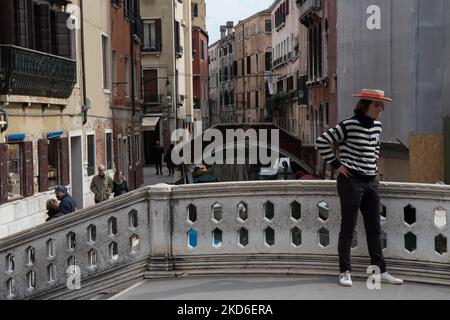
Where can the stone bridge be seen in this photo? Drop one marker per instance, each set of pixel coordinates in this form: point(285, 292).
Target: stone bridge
point(284, 230)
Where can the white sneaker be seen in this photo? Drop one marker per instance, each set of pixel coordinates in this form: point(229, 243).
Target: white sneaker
point(387, 278)
point(345, 279)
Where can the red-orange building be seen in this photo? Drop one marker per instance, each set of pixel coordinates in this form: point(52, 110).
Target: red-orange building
point(126, 103)
point(200, 69)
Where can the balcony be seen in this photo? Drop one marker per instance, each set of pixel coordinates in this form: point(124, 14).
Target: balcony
point(25, 72)
point(160, 231)
point(310, 10)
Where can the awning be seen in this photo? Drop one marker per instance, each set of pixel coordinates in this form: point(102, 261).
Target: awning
point(53, 135)
point(150, 123)
point(16, 137)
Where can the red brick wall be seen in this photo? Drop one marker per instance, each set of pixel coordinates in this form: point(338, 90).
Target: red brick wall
point(124, 123)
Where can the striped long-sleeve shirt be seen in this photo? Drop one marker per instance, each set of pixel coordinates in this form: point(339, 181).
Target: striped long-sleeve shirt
point(359, 145)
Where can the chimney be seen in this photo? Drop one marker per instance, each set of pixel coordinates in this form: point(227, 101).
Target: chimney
point(230, 26)
point(223, 30)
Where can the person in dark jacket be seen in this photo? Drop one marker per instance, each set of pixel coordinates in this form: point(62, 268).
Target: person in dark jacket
point(53, 209)
point(120, 185)
point(158, 151)
point(66, 203)
point(168, 159)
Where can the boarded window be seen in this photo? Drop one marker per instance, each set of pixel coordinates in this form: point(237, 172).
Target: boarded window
point(151, 86)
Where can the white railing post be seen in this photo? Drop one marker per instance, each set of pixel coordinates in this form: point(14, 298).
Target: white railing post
point(160, 220)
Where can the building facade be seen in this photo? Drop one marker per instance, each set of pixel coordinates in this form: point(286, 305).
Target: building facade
point(200, 63)
point(288, 102)
point(226, 66)
point(319, 17)
point(213, 89)
point(253, 50)
point(166, 71)
point(55, 104)
point(126, 106)
point(407, 58)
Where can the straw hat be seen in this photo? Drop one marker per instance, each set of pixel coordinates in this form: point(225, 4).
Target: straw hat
point(370, 94)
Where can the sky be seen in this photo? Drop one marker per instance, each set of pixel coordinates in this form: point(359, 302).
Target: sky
point(218, 12)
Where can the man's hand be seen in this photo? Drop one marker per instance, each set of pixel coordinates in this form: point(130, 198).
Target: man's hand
point(344, 171)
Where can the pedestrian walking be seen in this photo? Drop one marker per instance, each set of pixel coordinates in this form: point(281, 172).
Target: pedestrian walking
point(52, 207)
point(168, 160)
point(66, 203)
point(158, 152)
point(120, 185)
point(357, 184)
point(101, 185)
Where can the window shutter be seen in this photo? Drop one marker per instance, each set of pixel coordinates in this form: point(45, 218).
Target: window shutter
point(61, 35)
point(42, 16)
point(3, 173)
point(158, 34)
point(43, 165)
point(28, 166)
point(21, 26)
point(64, 161)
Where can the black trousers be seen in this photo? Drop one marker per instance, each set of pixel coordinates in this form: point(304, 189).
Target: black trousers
point(158, 166)
point(359, 192)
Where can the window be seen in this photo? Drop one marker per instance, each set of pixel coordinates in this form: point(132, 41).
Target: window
point(127, 77)
point(130, 161)
point(268, 58)
point(91, 154)
point(108, 142)
point(152, 35)
point(202, 49)
point(114, 70)
point(137, 143)
point(105, 52)
point(268, 25)
point(151, 86)
point(249, 64)
point(136, 79)
point(15, 171)
point(53, 163)
point(230, 48)
point(195, 9)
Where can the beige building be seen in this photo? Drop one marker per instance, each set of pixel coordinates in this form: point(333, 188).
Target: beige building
point(167, 70)
point(199, 14)
point(287, 106)
point(214, 92)
point(252, 55)
point(58, 131)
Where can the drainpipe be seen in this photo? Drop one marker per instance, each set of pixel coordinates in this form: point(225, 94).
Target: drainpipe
point(83, 66)
point(133, 60)
point(3, 124)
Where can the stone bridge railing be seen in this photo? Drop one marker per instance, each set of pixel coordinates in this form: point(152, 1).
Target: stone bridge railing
point(287, 227)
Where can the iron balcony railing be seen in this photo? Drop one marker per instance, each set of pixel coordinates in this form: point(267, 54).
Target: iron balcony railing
point(32, 73)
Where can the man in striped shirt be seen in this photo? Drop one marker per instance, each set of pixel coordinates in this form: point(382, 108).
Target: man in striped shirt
point(358, 140)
